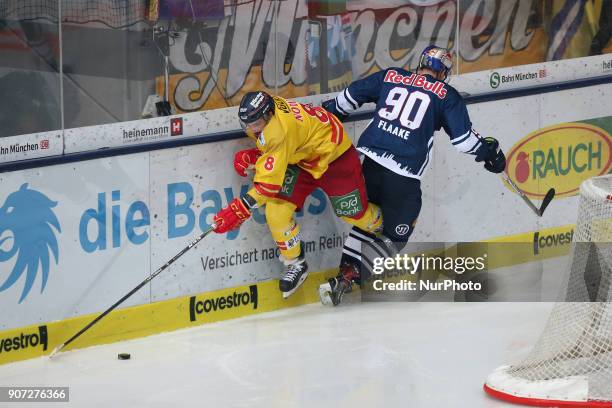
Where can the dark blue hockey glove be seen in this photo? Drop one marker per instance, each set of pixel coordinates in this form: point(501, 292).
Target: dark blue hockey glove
point(330, 106)
point(492, 155)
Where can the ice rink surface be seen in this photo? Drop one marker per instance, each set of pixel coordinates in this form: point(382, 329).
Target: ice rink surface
point(412, 355)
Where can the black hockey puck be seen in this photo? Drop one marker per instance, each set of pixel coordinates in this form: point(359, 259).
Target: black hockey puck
point(123, 356)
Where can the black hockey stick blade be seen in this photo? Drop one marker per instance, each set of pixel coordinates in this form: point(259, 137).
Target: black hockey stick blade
point(547, 199)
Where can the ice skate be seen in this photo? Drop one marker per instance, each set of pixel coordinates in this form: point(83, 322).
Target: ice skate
point(296, 272)
point(335, 288)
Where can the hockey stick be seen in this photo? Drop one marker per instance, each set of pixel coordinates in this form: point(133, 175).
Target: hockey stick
point(144, 282)
point(550, 194)
point(547, 198)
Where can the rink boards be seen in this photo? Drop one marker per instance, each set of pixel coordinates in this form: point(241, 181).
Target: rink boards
point(209, 307)
point(143, 320)
point(76, 237)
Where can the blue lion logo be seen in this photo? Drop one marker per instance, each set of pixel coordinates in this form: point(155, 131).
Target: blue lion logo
point(26, 221)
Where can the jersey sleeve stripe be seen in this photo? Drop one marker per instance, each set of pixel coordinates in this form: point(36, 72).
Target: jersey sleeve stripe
point(461, 138)
point(473, 149)
point(467, 143)
point(350, 98)
point(342, 111)
point(345, 102)
point(268, 190)
point(310, 164)
point(337, 130)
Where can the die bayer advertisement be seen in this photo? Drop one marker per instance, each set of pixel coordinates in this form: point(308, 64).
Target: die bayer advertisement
point(76, 237)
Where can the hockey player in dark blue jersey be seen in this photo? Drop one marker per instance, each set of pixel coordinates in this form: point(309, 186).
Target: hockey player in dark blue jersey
point(397, 144)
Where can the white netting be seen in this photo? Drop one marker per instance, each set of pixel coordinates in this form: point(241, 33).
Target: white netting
point(572, 360)
point(113, 13)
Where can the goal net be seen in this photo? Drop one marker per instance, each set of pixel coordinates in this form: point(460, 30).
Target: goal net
point(112, 13)
point(571, 364)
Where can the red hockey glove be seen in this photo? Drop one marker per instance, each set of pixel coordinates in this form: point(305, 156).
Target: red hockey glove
point(231, 217)
point(245, 160)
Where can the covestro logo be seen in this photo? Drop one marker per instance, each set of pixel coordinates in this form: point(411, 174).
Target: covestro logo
point(540, 242)
point(233, 300)
point(25, 341)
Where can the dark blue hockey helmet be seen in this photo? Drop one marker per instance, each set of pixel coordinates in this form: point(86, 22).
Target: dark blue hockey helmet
point(437, 59)
point(254, 106)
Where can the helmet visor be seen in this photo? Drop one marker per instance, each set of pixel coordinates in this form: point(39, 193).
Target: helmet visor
point(254, 128)
point(243, 124)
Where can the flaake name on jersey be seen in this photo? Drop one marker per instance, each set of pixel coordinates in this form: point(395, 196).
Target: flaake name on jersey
point(394, 130)
point(416, 80)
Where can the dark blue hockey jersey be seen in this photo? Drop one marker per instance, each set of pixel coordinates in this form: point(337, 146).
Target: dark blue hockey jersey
point(409, 108)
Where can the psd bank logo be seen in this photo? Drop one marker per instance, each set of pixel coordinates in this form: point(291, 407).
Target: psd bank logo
point(27, 237)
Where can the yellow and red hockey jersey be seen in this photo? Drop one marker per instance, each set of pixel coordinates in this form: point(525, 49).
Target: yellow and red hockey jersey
point(304, 135)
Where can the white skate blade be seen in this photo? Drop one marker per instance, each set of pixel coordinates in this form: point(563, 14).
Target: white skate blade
point(325, 291)
point(302, 279)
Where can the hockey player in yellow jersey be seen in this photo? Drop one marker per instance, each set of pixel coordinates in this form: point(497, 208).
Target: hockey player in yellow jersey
point(299, 148)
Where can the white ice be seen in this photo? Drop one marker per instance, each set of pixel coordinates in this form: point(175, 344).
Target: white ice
point(410, 355)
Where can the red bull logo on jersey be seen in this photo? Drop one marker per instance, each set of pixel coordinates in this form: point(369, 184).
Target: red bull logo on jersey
point(420, 81)
point(559, 156)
